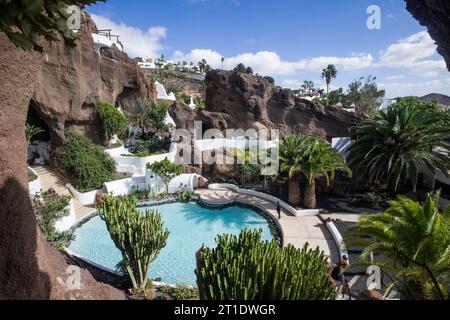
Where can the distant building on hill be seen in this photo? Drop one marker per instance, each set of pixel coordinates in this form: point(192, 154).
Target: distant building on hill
point(161, 63)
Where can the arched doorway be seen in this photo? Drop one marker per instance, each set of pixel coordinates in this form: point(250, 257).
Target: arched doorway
point(38, 136)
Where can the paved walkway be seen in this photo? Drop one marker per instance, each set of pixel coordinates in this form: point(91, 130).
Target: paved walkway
point(50, 179)
point(297, 230)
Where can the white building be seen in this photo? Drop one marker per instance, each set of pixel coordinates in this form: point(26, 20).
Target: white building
point(147, 65)
point(104, 39)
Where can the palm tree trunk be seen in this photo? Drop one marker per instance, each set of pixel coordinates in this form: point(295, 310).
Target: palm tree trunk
point(310, 196)
point(294, 191)
point(435, 282)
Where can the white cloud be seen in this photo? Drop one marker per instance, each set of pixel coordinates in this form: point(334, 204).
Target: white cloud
point(137, 43)
point(409, 54)
point(399, 89)
point(270, 63)
point(399, 77)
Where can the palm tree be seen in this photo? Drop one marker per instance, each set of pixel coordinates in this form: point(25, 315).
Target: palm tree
point(318, 160)
point(141, 114)
point(413, 241)
point(31, 131)
point(397, 143)
point(222, 60)
point(307, 87)
point(203, 65)
point(328, 74)
point(289, 162)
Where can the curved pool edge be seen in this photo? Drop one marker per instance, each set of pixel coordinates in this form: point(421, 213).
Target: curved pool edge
point(75, 255)
point(260, 210)
point(253, 206)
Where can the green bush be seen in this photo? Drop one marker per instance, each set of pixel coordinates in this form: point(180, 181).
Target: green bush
point(49, 208)
point(86, 164)
point(115, 122)
point(159, 113)
point(181, 292)
point(166, 170)
point(145, 147)
point(244, 268)
point(139, 236)
point(372, 199)
point(187, 196)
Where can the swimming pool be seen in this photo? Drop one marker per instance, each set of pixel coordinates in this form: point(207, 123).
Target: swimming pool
point(190, 227)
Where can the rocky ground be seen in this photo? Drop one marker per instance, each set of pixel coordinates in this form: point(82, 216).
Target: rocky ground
point(180, 81)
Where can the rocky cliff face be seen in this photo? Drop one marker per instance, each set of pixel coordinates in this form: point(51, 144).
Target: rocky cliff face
point(72, 81)
point(435, 15)
point(241, 101)
point(63, 85)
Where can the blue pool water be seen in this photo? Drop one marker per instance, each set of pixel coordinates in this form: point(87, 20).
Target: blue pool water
point(190, 226)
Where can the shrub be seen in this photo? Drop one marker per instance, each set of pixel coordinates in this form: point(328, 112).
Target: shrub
point(139, 236)
point(180, 292)
point(166, 170)
point(86, 164)
point(115, 122)
point(159, 113)
point(372, 199)
point(187, 196)
point(145, 147)
point(244, 268)
point(49, 208)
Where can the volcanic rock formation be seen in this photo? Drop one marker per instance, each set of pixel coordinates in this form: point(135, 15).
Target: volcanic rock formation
point(63, 86)
point(240, 101)
point(435, 15)
point(72, 81)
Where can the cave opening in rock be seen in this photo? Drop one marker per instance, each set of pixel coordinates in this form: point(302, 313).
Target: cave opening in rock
point(38, 133)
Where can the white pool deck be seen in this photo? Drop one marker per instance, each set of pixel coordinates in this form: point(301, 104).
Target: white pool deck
point(296, 230)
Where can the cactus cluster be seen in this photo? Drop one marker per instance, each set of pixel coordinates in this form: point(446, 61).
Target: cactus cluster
point(139, 236)
point(245, 268)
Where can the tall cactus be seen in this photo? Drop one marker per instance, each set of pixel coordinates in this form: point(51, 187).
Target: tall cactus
point(244, 268)
point(139, 236)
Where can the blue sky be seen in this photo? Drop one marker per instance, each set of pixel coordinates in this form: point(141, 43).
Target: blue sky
point(291, 40)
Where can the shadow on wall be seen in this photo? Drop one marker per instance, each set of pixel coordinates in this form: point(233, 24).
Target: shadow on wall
point(20, 277)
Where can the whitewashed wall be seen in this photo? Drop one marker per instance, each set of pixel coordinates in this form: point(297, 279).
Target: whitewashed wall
point(126, 186)
point(239, 144)
point(181, 183)
point(101, 41)
point(66, 223)
point(136, 165)
point(35, 186)
point(87, 198)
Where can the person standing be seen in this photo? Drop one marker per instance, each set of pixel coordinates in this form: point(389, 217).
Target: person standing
point(279, 210)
